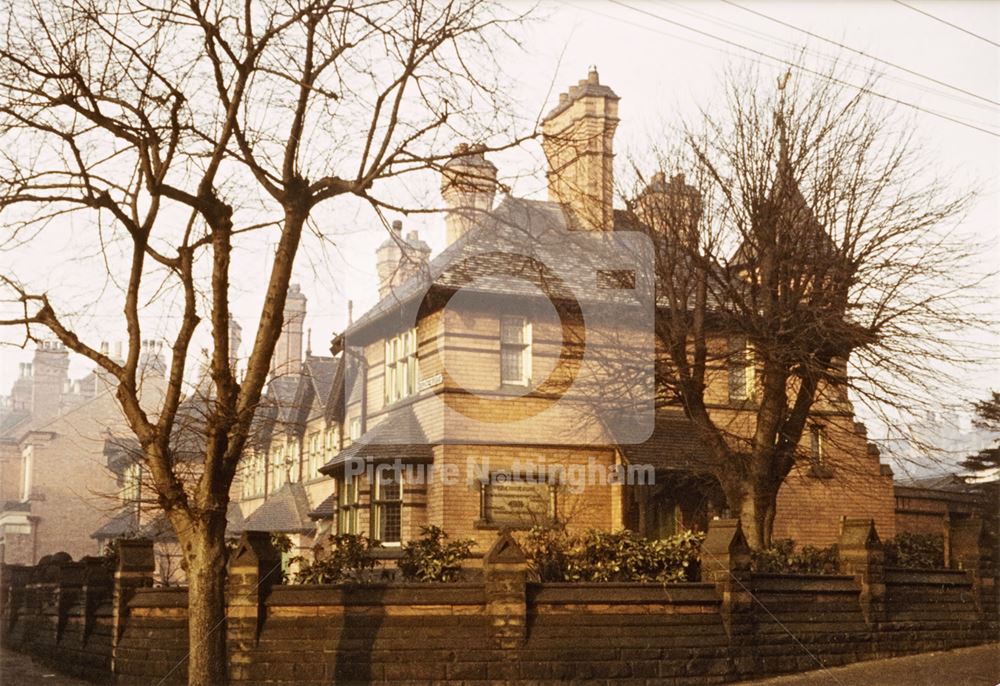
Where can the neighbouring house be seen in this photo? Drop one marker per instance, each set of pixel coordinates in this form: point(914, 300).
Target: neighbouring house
point(138, 514)
point(298, 428)
point(54, 480)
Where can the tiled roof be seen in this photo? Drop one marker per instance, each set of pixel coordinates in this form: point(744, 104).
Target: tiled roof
point(320, 371)
point(125, 523)
point(282, 391)
point(286, 511)
point(538, 232)
point(673, 445)
point(9, 421)
point(940, 482)
point(398, 436)
point(159, 528)
point(325, 509)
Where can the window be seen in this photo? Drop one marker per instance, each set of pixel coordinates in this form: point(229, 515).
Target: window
point(400, 366)
point(278, 469)
point(816, 447)
point(293, 463)
point(354, 433)
point(131, 483)
point(387, 506)
point(348, 504)
point(28, 464)
point(741, 370)
point(259, 473)
point(515, 351)
point(315, 460)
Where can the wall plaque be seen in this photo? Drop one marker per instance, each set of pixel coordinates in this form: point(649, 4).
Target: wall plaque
point(516, 503)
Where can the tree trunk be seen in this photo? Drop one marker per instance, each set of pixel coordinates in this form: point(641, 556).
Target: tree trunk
point(756, 511)
point(206, 560)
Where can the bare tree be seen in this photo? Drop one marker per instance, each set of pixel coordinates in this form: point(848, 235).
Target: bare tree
point(180, 129)
point(804, 235)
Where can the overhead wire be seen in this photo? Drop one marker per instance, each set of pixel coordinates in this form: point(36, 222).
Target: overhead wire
point(874, 58)
point(829, 77)
point(947, 23)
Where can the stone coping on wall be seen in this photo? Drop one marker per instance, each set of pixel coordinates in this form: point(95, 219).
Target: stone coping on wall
point(803, 583)
point(928, 577)
point(611, 593)
point(378, 594)
point(160, 597)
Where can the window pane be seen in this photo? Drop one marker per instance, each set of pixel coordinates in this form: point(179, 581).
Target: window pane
point(511, 365)
point(739, 370)
point(388, 485)
point(389, 518)
point(512, 330)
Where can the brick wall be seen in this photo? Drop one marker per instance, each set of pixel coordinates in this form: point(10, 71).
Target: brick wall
point(736, 625)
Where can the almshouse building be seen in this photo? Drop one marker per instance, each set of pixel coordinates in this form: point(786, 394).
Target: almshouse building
point(460, 399)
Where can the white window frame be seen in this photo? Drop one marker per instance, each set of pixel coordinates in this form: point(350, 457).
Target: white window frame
point(348, 505)
point(28, 462)
point(380, 504)
point(400, 367)
point(315, 455)
point(523, 347)
point(132, 483)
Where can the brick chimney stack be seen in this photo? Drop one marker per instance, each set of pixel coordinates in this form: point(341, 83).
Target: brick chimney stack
point(468, 186)
point(287, 358)
point(577, 138)
point(50, 374)
point(670, 206)
point(151, 362)
point(399, 259)
point(235, 338)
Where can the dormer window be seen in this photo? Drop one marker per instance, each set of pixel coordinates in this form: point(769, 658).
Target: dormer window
point(400, 366)
point(515, 351)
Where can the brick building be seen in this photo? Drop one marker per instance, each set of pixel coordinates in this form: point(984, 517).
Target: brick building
point(443, 402)
point(55, 485)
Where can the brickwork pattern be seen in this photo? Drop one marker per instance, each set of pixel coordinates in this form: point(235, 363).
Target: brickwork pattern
point(736, 626)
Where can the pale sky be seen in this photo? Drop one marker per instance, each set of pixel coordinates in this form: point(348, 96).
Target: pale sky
point(652, 55)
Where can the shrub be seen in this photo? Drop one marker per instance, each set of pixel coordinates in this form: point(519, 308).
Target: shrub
point(782, 557)
point(349, 559)
point(555, 555)
point(430, 558)
point(915, 551)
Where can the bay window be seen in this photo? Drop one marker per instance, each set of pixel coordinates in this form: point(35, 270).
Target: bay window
point(348, 504)
point(387, 506)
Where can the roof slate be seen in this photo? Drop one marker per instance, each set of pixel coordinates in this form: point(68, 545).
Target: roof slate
point(398, 436)
point(286, 511)
point(673, 445)
point(481, 260)
point(125, 523)
point(325, 509)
